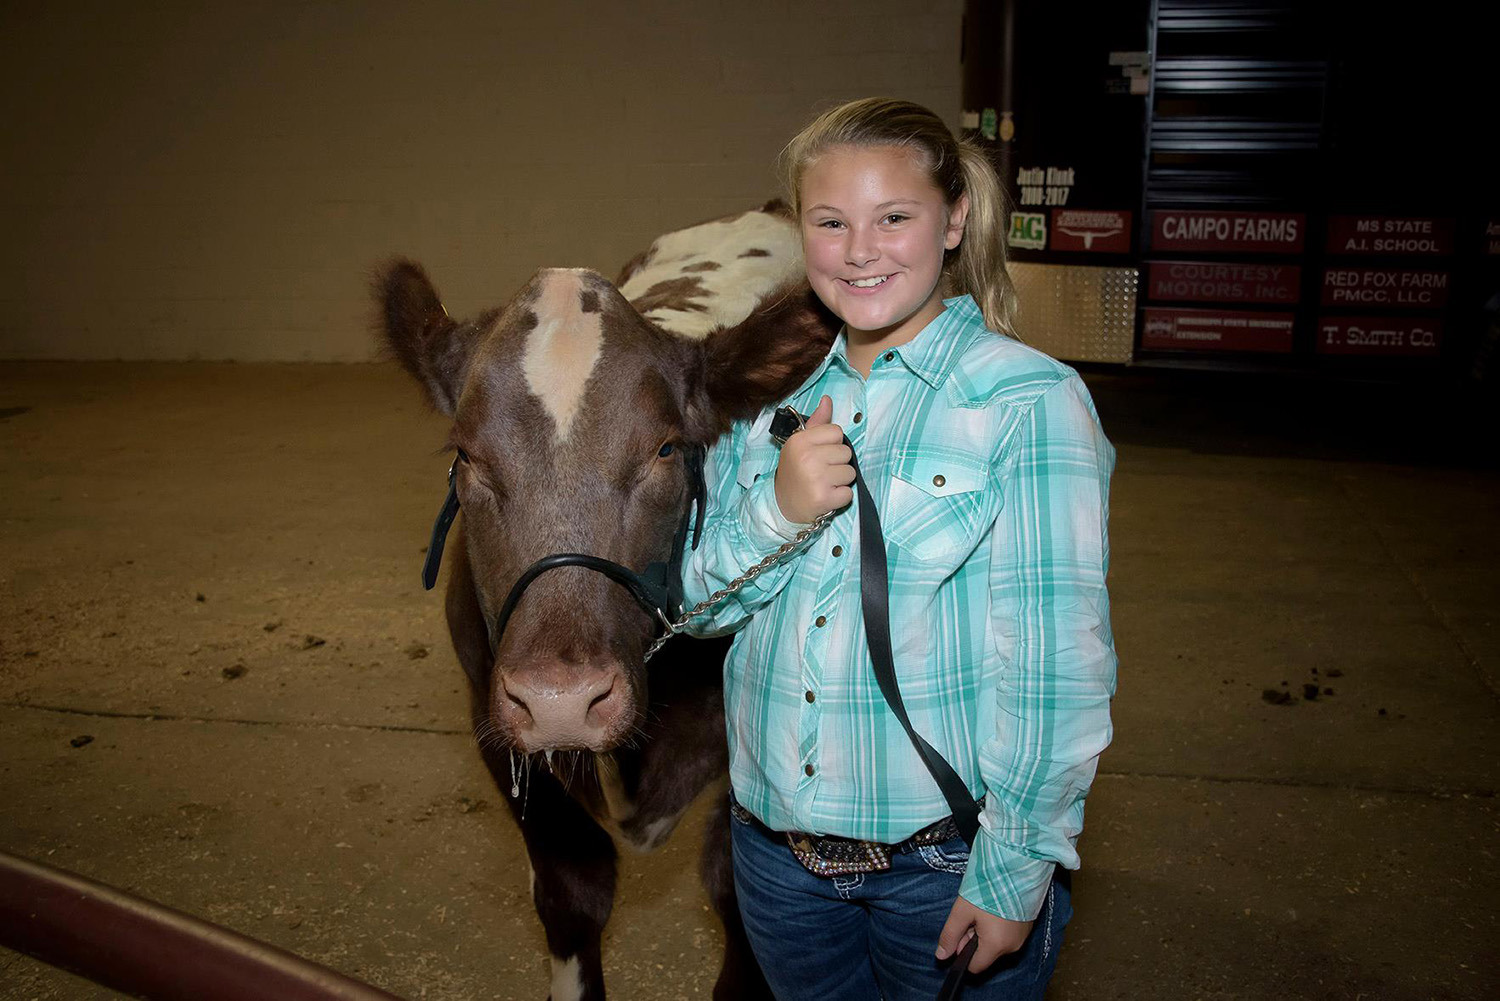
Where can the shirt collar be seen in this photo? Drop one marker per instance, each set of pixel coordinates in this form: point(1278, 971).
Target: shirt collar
point(931, 354)
point(938, 346)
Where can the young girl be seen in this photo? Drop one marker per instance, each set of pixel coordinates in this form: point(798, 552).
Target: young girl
point(990, 474)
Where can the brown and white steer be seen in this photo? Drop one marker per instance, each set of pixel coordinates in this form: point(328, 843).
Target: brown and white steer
point(573, 407)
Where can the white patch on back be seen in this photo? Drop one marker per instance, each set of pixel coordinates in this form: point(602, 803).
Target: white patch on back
point(739, 284)
point(567, 979)
point(563, 347)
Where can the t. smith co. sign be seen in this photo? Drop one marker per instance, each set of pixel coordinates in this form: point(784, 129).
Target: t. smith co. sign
point(1376, 335)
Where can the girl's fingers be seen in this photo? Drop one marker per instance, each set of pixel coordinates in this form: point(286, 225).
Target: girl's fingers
point(822, 434)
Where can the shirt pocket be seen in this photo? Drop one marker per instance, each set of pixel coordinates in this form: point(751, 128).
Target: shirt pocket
point(757, 461)
point(935, 509)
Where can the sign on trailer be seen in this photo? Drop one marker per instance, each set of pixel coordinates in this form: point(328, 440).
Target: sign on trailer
point(1216, 330)
point(1396, 287)
point(1211, 281)
point(1396, 236)
point(1228, 232)
point(1096, 232)
point(1379, 335)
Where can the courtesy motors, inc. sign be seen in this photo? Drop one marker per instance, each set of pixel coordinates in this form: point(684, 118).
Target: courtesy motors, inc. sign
point(1213, 281)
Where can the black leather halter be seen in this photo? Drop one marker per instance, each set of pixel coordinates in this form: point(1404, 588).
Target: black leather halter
point(658, 590)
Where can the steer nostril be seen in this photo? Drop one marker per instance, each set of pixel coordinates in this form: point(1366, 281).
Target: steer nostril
point(515, 701)
point(594, 703)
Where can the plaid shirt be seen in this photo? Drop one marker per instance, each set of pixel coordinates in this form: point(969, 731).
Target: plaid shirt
point(991, 475)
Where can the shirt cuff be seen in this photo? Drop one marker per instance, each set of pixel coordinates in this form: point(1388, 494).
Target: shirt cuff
point(1005, 882)
point(761, 520)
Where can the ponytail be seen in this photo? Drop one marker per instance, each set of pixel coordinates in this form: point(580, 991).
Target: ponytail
point(977, 266)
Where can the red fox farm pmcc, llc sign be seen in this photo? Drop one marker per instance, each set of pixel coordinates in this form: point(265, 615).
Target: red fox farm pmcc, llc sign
point(1385, 287)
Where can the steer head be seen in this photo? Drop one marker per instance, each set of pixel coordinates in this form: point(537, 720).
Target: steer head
point(572, 418)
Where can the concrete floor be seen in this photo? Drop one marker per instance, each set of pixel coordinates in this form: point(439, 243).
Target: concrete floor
point(211, 571)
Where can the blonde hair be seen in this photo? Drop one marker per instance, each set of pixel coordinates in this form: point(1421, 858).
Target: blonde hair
point(954, 166)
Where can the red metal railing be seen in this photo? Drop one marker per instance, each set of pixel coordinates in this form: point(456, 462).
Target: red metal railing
point(151, 951)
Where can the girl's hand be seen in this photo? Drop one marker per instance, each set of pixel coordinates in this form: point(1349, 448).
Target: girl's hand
point(997, 936)
point(814, 472)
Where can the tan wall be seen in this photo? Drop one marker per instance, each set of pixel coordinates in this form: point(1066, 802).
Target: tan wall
point(215, 181)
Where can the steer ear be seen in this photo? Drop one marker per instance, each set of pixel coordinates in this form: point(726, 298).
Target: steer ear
point(418, 330)
point(764, 358)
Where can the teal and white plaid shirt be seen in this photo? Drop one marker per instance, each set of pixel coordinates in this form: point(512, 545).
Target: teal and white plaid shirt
point(991, 476)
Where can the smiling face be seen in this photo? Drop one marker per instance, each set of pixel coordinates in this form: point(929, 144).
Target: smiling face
point(874, 231)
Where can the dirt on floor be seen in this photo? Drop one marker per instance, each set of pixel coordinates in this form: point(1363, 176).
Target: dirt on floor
point(222, 687)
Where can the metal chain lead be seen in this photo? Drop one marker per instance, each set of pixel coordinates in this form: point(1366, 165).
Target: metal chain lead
point(754, 571)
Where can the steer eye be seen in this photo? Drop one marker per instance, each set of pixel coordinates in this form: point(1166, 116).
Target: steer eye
point(666, 450)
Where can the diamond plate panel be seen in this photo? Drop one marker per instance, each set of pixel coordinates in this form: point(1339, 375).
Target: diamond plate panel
point(1077, 313)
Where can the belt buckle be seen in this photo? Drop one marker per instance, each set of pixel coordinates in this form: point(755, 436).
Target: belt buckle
point(838, 856)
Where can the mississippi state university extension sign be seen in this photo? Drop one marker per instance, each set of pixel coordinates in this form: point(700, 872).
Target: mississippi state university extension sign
point(1216, 330)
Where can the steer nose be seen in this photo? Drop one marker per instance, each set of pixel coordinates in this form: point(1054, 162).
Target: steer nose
point(542, 713)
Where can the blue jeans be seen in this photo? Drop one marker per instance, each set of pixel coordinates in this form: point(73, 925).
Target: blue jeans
point(872, 935)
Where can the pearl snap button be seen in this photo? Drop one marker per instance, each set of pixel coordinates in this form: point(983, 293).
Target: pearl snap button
point(938, 480)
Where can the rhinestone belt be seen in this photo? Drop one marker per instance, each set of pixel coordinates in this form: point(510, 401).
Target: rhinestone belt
point(830, 855)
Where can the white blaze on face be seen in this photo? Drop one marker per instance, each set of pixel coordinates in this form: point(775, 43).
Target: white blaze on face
point(567, 979)
point(563, 347)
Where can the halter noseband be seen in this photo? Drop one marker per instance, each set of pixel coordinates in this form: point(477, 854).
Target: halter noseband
point(658, 590)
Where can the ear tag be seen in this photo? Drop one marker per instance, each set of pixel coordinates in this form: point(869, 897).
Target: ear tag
point(440, 529)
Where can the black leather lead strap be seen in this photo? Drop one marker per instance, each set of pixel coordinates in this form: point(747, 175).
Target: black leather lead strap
point(874, 593)
point(953, 983)
point(874, 596)
point(440, 528)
